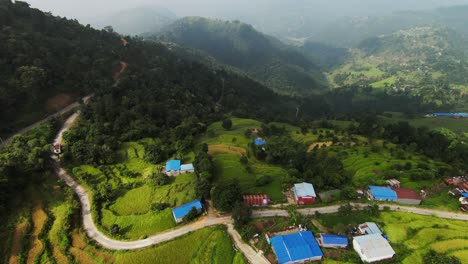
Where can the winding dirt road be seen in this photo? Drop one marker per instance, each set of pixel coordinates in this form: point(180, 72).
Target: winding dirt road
point(209, 220)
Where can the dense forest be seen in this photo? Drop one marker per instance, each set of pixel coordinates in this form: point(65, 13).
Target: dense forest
point(259, 56)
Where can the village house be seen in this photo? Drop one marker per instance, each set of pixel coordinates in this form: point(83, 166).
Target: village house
point(369, 228)
point(256, 199)
point(332, 241)
point(299, 247)
point(259, 142)
point(180, 212)
point(174, 168)
point(407, 196)
point(380, 193)
point(304, 193)
point(372, 248)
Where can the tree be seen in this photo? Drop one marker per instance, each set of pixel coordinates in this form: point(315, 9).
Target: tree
point(202, 188)
point(226, 195)
point(160, 179)
point(192, 215)
point(227, 124)
point(345, 210)
point(432, 257)
point(115, 229)
point(241, 214)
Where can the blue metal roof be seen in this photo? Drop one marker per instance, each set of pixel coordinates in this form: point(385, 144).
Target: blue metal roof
point(383, 193)
point(464, 195)
point(183, 210)
point(334, 239)
point(259, 142)
point(451, 114)
point(296, 247)
point(186, 167)
point(172, 165)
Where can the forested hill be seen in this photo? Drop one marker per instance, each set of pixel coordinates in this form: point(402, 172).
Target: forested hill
point(43, 56)
point(47, 62)
point(239, 45)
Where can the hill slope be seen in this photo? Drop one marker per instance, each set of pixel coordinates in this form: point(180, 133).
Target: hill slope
point(239, 45)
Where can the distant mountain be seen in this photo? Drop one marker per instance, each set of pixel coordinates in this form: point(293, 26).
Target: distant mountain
point(280, 67)
point(140, 20)
point(350, 31)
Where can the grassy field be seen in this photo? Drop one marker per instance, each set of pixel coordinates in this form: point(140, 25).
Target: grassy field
point(412, 235)
point(228, 167)
point(217, 135)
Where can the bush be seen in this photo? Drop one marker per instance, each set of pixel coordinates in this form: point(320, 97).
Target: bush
point(159, 206)
point(227, 124)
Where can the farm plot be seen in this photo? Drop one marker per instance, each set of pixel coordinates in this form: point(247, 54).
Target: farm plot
point(217, 135)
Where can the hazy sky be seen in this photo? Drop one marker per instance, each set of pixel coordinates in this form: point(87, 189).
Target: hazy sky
point(88, 11)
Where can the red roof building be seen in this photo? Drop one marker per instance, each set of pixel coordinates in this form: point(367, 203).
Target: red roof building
point(256, 199)
point(407, 196)
point(57, 148)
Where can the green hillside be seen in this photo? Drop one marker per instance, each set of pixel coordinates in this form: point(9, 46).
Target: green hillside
point(259, 56)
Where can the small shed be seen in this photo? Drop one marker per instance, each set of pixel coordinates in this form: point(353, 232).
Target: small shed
point(296, 248)
point(394, 183)
point(369, 228)
point(57, 148)
point(382, 193)
point(256, 199)
point(332, 241)
point(180, 212)
point(372, 248)
point(173, 167)
point(304, 193)
point(408, 196)
point(187, 168)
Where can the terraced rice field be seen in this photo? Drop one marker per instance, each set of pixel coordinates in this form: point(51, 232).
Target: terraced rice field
point(412, 236)
point(39, 218)
point(226, 149)
point(17, 242)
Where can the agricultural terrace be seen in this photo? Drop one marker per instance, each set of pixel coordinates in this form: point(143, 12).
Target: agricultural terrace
point(410, 235)
point(456, 125)
point(58, 226)
point(136, 204)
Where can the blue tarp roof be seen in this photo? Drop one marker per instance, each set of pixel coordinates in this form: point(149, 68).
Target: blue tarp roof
point(465, 195)
point(296, 247)
point(172, 165)
point(451, 114)
point(183, 210)
point(383, 193)
point(259, 142)
point(186, 167)
point(334, 239)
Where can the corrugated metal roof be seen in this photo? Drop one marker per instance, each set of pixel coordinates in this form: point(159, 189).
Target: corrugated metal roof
point(295, 247)
point(465, 195)
point(370, 228)
point(304, 189)
point(186, 167)
point(256, 199)
point(172, 165)
point(406, 193)
point(374, 246)
point(383, 193)
point(334, 239)
point(183, 210)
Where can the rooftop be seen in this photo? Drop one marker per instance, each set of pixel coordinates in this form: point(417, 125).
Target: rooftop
point(186, 167)
point(374, 246)
point(296, 247)
point(334, 239)
point(304, 189)
point(172, 165)
point(382, 193)
point(406, 193)
point(259, 142)
point(370, 228)
point(183, 210)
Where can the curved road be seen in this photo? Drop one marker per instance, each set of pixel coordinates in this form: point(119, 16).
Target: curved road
point(209, 220)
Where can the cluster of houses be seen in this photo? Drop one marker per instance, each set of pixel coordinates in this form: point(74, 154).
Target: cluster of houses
point(302, 246)
point(174, 168)
point(460, 191)
point(395, 193)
